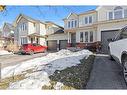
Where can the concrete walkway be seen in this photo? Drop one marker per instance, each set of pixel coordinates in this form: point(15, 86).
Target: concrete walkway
point(106, 74)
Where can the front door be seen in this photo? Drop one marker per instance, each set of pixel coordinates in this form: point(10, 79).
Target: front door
point(73, 39)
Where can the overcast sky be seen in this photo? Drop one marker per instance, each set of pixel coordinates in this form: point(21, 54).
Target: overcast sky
point(43, 13)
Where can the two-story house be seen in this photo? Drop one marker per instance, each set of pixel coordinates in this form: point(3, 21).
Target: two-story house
point(8, 33)
point(81, 29)
point(29, 30)
point(94, 26)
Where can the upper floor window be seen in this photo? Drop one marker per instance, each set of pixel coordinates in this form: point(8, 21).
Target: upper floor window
point(68, 24)
point(125, 13)
point(75, 23)
point(90, 19)
point(118, 12)
point(110, 15)
point(86, 20)
point(72, 24)
point(81, 36)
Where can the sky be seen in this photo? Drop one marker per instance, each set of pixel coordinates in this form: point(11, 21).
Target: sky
point(55, 14)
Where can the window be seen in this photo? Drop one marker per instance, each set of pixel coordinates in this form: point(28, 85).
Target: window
point(110, 15)
point(86, 36)
point(118, 12)
point(91, 36)
point(23, 40)
point(68, 24)
point(86, 20)
point(81, 36)
point(34, 24)
point(25, 28)
point(75, 23)
point(72, 24)
point(90, 19)
point(125, 13)
point(123, 34)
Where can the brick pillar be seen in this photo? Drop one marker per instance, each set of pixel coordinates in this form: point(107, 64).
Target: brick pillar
point(68, 44)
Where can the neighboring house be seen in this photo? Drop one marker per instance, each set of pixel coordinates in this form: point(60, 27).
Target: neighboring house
point(29, 30)
point(8, 33)
point(1, 39)
point(88, 29)
point(56, 38)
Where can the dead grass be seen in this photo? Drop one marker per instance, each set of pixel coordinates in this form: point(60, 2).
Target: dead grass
point(4, 83)
point(53, 83)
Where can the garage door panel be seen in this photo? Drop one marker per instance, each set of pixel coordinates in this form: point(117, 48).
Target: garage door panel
point(52, 45)
point(63, 44)
point(105, 35)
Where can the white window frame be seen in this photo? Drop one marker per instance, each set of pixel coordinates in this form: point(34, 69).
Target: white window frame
point(117, 11)
point(112, 15)
point(91, 19)
point(85, 20)
point(124, 12)
point(23, 40)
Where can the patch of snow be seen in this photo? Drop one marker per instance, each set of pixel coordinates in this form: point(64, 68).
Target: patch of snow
point(43, 67)
point(58, 86)
point(4, 52)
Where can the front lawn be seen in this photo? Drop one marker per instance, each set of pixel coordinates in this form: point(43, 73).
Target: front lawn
point(42, 72)
point(75, 77)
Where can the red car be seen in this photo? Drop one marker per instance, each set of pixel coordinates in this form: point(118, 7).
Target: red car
point(32, 48)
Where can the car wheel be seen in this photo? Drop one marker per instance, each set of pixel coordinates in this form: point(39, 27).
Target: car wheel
point(45, 51)
point(124, 62)
point(111, 58)
point(31, 52)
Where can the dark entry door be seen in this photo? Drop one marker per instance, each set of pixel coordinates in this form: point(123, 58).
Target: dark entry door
point(73, 39)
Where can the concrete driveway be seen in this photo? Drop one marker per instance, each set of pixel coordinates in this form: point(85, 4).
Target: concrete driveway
point(106, 74)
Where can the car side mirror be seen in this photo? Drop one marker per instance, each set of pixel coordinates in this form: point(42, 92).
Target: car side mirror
point(110, 40)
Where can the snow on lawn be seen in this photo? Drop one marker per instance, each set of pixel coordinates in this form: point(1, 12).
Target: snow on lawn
point(3, 52)
point(43, 67)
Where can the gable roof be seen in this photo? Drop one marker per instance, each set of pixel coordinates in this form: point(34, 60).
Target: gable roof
point(26, 17)
point(87, 12)
point(47, 22)
point(10, 26)
point(70, 15)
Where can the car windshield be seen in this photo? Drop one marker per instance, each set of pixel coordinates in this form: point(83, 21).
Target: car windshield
point(25, 44)
point(118, 35)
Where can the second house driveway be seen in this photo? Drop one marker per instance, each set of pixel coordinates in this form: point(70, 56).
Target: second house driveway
point(106, 74)
point(10, 60)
